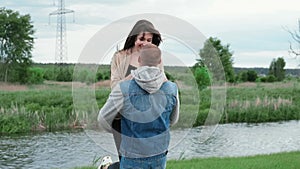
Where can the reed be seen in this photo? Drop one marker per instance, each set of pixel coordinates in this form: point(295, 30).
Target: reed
point(53, 107)
point(255, 104)
point(45, 110)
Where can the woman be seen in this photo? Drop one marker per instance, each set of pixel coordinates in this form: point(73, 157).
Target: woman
point(125, 60)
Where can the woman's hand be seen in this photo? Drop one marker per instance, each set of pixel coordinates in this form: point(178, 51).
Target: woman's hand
point(129, 77)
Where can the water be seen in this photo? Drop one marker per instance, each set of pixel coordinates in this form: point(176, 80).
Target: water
point(70, 149)
point(242, 140)
point(48, 150)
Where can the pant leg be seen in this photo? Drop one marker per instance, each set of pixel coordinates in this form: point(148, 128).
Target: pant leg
point(155, 162)
point(116, 125)
point(159, 163)
point(115, 165)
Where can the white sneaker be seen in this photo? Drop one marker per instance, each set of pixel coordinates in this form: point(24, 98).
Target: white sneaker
point(105, 162)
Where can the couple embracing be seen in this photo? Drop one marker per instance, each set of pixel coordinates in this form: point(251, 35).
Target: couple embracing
point(142, 104)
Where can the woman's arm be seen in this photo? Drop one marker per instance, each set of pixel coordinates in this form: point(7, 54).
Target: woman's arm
point(115, 75)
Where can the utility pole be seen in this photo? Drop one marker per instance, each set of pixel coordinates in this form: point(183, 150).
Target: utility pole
point(61, 54)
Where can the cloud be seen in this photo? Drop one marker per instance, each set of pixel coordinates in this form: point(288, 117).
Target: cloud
point(263, 59)
point(251, 27)
point(256, 40)
point(237, 8)
point(44, 51)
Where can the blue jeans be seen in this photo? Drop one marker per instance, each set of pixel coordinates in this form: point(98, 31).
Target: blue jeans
point(154, 162)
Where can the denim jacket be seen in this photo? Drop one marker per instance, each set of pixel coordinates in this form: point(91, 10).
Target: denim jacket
point(148, 105)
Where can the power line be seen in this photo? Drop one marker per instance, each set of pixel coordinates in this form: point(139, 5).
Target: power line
point(61, 53)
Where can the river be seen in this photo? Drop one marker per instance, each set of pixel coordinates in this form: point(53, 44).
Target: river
point(69, 149)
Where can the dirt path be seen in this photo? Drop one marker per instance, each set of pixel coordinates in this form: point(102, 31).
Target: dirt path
point(12, 87)
point(45, 86)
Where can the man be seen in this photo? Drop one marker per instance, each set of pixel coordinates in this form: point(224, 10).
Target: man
point(148, 105)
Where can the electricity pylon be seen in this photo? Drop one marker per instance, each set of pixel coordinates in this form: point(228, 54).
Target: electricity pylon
point(61, 53)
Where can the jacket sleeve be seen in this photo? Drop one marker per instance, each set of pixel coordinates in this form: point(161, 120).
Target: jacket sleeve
point(118, 68)
point(110, 109)
point(114, 73)
point(175, 114)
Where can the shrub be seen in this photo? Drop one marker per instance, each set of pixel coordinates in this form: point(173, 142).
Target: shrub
point(202, 77)
point(35, 75)
point(271, 78)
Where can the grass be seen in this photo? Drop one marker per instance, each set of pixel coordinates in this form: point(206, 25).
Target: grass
point(48, 108)
point(262, 103)
point(55, 106)
point(274, 161)
point(286, 160)
point(254, 104)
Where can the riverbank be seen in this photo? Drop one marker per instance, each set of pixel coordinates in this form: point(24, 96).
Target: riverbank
point(69, 149)
point(286, 160)
point(56, 106)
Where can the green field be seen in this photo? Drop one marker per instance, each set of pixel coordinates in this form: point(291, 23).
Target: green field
point(66, 105)
point(273, 161)
point(287, 160)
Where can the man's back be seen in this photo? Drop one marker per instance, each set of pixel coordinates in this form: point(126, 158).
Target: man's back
point(146, 118)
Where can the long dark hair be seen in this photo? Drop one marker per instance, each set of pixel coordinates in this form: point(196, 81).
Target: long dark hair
point(142, 26)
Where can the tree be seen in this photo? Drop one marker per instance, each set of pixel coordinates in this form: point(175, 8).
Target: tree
point(277, 69)
point(202, 77)
point(296, 37)
point(212, 50)
point(252, 75)
point(247, 76)
point(16, 44)
point(243, 76)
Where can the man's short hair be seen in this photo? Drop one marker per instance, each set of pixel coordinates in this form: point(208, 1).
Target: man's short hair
point(150, 55)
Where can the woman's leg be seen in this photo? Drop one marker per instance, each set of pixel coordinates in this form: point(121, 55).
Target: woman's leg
point(116, 125)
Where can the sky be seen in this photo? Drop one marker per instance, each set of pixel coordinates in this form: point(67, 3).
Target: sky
point(254, 29)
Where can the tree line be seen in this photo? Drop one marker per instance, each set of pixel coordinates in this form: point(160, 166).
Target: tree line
point(214, 51)
point(16, 65)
